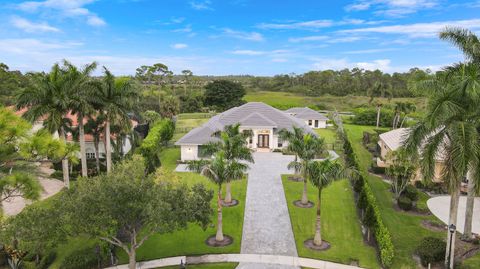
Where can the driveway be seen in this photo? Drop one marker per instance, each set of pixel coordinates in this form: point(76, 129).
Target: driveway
point(266, 227)
point(440, 207)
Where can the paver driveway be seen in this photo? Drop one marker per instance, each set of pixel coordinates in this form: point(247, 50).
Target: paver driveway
point(266, 227)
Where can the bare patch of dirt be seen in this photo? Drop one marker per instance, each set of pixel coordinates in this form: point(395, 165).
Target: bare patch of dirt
point(309, 244)
point(233, 203)
point(227, 240)
point(298, 203)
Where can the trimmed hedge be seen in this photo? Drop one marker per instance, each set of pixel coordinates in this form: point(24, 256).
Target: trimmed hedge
point(375, 222)
point(405, 203)
point(431, 250)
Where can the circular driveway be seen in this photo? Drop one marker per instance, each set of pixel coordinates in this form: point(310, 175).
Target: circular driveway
point(440, 207)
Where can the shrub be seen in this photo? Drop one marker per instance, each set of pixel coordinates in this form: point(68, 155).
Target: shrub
point(377, 170)
point(47, 260)
point(368, 116)
point(84, 258)
point(411, 192)
point(431, 250)
point(419, 184)
point(405, 203)
point(358, 184)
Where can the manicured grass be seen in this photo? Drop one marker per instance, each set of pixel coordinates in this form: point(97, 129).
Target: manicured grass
point(285, 100)
point(329, 134)
point(405, 228)
point(188, 121)
point(192, 240)
point(207, 266)
point(340, 224)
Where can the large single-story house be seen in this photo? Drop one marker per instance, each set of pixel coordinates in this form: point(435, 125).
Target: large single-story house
point(391, 141)
point(311, 117)
point(261, 119)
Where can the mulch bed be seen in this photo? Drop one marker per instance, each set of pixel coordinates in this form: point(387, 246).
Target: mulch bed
point(298, 203)
point(233, 203)
point(414, 211)
point(227, 240)
point(433, 226)
point(295, 178)
point(309, 244)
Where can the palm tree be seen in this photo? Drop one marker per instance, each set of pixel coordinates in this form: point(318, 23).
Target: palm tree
point(81, 100)
point(322, 174)
point(401, 108)
point(469, 44)
point(95, 127)
point(295, 139)
point(49, 98)
point(219, 170)
point(449, 130)
point(308, 147)
point(233, 143)
point(378, 90)
point(116, 97)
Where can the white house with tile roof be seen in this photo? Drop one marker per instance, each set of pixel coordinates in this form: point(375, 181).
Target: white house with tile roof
point(263, 120)
point(311, 117)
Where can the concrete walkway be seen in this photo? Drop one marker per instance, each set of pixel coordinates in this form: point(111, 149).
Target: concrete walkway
point(266, 226)
point(274, 261)
point(440, 207)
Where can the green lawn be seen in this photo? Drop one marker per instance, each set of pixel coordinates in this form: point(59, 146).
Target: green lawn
point(285, 100)
point(340, 225)
point(188, 121)
point(405, 228)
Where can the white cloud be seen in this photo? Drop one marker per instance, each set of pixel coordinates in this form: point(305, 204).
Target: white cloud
point(179, 46)
point(31, 27)
point(64, 8)
point(307, 38)
point(252, 36)
point(201, 5)
point(338, 64)
point(346, 39)
point(369, 51)
point(186, 29)
point(314, 24)
point(392, 8)
point(28, 46)
point(417, 29)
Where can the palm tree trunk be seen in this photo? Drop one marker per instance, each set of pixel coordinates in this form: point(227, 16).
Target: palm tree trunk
point(317, 240)
point(403, 121)
point(132, 262)
point(83, 154)
point(66, 175)
point(467, 231)
point(97, 154)
point(455, 196)
point(304, 193)
point(228, 193)
point(219, 235)
point(108, 146)
point(378, 115)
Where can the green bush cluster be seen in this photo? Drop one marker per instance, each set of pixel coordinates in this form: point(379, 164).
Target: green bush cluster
point(368, 116)
point(431, 250)
point(411, 192)
point(159, 134)
point(372, 217)
point(84, 258)
point(405, 203)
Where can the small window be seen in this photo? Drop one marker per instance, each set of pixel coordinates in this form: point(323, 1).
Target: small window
point(309, 122)
point(90, 155)
point(280, 143)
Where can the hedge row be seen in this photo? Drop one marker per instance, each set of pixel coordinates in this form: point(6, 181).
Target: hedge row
point(369, 203)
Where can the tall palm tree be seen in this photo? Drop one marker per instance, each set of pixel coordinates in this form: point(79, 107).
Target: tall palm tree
point(308, 147)
point(81, 100)
point(116, 97)
point(294, 138)
point(469, 44)
point(450, 130)
point(379, 89)
point(321, 174)
point(233, 143)
point(95, 127)
point(219, 170)
point(49, 97)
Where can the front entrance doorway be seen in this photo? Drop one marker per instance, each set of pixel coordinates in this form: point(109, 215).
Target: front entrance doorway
point(263, 141)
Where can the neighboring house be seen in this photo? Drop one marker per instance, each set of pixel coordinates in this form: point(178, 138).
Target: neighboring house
point(89, 141)
point(391, 141)
point(262, 120)
point(311, 117)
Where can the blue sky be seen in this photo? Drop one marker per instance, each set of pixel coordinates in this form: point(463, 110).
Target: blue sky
point(220, 37)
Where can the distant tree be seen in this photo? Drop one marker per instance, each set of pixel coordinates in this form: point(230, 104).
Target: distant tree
point(224, 94)
point(187, 76)
point(95, 128)
point(150, 116)
point(190, 103)
point(402, 108)
point(378, 90)
point(169, 106)
point(125, 207)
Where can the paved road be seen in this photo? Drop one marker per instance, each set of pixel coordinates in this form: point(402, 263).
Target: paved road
point(440, 207)
point(266, 227)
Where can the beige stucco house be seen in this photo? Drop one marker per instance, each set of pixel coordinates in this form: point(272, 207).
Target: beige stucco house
point(262, 120)
point(311, 117)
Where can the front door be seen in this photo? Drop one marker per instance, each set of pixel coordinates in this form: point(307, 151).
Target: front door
point(263, 141)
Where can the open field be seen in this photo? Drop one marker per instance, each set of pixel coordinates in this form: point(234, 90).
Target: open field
point(405, 228)
point(188, 121)
point(340, 225)
point(285, 100)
